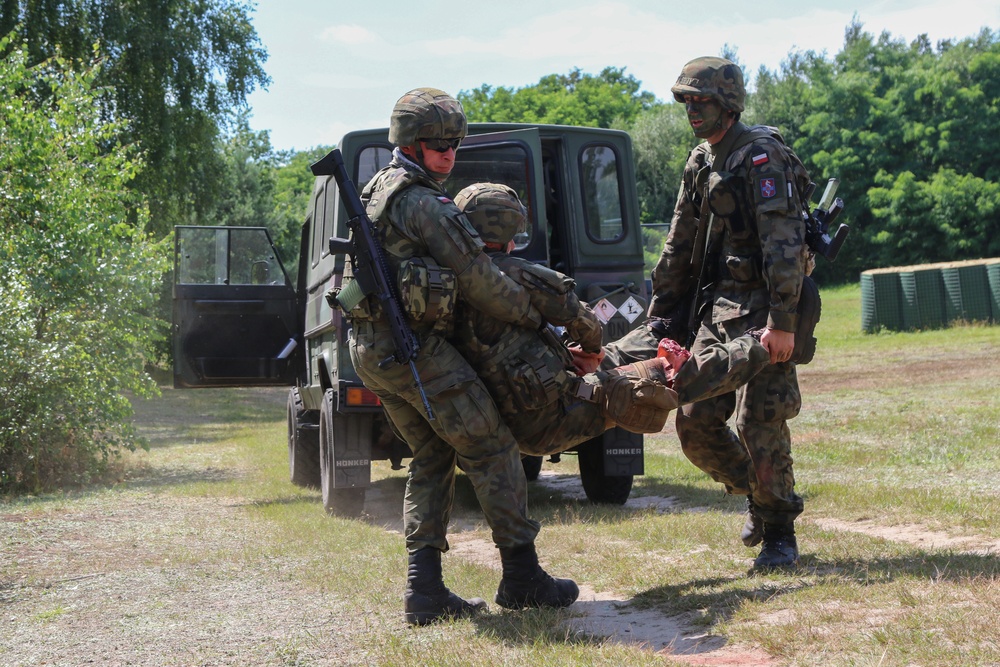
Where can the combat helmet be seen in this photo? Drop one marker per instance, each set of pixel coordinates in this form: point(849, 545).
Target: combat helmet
point(426, 113)
point(713, 77)
point(494, 210)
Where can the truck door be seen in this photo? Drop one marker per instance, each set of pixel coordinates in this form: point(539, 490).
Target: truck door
point(235, 320)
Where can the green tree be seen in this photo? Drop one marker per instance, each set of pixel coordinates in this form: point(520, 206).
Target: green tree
point(661, 139)
point(564, 99)
point(264, 188)
point(77, 274)
point(881, 110)
point(960, 214)
point(174, 69)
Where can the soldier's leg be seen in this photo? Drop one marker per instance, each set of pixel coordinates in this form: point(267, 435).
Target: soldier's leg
point(705, 436)
point(567, 423)
point(465, 418)
point(771, 398)
point(640, 343)
point(720, 368)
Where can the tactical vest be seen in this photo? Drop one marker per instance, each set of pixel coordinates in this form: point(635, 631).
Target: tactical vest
point(734, 200)
point(427, 291)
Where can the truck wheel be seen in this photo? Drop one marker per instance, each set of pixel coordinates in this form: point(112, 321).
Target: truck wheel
point(303, 443)
point(532, 466)
point(345, 502)
point(601, 489)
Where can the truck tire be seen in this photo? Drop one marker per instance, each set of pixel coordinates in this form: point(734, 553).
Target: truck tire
point(345, 502)
point(532, 466)
point(601, 489)
point(303, 443)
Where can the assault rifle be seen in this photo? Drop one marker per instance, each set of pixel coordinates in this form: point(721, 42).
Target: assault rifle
point(818, 222)
point(371, 273)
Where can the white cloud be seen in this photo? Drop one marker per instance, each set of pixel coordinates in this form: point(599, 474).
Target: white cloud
point(352, 35)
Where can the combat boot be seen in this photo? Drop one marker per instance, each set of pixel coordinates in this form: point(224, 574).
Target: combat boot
point(753, 527)
point(427, 599)
point(526, 584)
point(780, 549)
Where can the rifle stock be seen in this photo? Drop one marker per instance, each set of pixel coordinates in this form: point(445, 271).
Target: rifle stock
point(370, 269)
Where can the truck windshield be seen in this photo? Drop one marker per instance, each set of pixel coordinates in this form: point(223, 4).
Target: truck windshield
point(227, 256)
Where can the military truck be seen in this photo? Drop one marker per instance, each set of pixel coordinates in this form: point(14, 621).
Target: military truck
point(239, 320)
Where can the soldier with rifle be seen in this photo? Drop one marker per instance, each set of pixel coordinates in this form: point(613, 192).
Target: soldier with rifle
point(425, 251)
point(737, 255)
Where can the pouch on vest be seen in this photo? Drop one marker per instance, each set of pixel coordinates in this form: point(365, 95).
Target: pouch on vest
point(535, 380)
point(427, 292)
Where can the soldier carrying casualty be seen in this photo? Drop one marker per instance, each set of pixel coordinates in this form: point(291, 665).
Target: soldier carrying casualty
point(546, 401)
point(420, 232)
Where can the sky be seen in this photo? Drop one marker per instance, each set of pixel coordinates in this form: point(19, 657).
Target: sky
point(337, 66)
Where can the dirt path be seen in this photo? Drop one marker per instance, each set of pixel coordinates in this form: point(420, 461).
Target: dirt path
point(125, 578)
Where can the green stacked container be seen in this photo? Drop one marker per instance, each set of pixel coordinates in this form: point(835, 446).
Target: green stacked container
point(881, 301)
point(967, 292)
point(922, 298)
point(930, 296)
point(993, 278)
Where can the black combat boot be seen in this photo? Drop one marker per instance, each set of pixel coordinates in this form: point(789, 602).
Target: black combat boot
point(526, 584)
point(427, 599)
point(753, 527)
point(780, 549)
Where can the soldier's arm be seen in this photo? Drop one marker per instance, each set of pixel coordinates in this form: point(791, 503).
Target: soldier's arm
point(778, 215)
point(454, 243)
point(552, 293)
point(671, 276)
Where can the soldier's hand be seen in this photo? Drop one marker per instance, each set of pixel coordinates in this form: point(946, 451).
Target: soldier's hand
point(586, 362)
point(779, 344)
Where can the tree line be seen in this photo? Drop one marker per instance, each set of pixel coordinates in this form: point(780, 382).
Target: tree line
point(123, 119)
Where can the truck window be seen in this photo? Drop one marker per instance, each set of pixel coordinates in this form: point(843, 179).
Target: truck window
point(227, 256)
point(318, 217)
point(602, 199)
point(370, 160)
point(508, 163)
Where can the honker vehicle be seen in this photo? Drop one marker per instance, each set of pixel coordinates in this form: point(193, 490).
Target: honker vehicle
point(239, 320)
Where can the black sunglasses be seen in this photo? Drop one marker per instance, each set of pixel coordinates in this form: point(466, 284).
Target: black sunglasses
point(441, 145)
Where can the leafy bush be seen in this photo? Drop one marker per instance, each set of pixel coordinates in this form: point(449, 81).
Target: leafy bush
point(77, 275)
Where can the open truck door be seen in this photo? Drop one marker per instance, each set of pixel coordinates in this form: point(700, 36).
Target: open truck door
point(235, 318)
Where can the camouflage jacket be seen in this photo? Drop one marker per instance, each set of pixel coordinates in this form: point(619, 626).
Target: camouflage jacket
point(757, 245)
point(415, 217)
point(526, 369)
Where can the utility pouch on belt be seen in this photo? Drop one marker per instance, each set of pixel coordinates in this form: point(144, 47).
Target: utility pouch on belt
point(535, 379)
point(427, 292)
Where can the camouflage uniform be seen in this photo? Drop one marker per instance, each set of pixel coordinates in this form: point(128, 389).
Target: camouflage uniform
point(414, 216)
point(530, 373)
point(758, 256)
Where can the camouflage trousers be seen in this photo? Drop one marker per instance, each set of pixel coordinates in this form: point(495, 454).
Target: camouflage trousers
point(714, 370)
point(467, 431)
point(757, 461)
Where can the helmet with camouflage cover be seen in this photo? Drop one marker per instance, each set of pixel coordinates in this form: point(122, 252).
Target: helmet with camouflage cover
point(426, 113)
point(713, 77)
point(494, 210)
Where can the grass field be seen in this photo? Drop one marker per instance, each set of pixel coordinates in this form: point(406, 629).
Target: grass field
point(897, 453)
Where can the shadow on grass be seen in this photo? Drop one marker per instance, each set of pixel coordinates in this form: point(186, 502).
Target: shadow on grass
point(181, 416)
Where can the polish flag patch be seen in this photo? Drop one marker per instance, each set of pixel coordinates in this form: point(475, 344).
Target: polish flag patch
point(444, 200)
point(759, 159)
